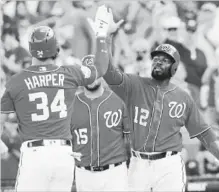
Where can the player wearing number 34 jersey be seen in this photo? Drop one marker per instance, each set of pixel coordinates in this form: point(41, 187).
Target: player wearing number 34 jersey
point(42, 96)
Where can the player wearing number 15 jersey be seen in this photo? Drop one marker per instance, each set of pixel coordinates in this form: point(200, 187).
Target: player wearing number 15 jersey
point(42, 97)
point(100, 129)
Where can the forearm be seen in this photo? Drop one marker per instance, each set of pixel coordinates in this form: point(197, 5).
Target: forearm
point(127, 141)
point(104, 62)
point(213, 148)
point(112, 76)
point(211, 142)
point(105, 27)
point(101, 56)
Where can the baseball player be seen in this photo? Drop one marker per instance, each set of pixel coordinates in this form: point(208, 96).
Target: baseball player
point(158, 109)
point(42, 96)
point(100, 130)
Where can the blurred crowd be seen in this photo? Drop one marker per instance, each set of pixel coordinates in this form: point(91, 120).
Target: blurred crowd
point(191, 26)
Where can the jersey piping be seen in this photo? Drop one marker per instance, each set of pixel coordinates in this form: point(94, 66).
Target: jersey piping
point(98, 129)
point(53, 70)
point(160, 117)
point(91, 149)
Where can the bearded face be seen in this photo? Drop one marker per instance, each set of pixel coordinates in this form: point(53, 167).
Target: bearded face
point(94, 86)
point(161, 67)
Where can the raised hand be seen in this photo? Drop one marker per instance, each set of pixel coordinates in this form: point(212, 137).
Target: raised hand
point(104, 22)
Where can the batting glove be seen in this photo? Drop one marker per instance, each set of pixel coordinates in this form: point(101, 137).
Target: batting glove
point(102, 21)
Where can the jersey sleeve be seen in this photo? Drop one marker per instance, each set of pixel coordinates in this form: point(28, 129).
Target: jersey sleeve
point(119, 82)
point(82, 75)
point(195, 123)
point(122, 84)
point(7, 104)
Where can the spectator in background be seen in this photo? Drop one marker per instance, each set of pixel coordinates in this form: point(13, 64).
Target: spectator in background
point(15, 55)
point(170, 32)
point(142, 63)
point(161, 13)
point(128, 11)
point(21, 13)
point(212, 34)
point(207, 162)
point(43, 11)
point(210, 96)
point(10, 136)
point(10, 24)
point(74, 27)
point(10, 162)
point(3, 82)
point(206, 17)
point(193, 59)
point(22, 18)
point(186, 6)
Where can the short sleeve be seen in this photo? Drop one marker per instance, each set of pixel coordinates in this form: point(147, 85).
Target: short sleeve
point(7, 104)
point(82, 75)
point(195, 123)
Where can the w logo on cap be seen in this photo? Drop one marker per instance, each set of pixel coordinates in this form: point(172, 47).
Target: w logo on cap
point(167, 48)
point(88, 60)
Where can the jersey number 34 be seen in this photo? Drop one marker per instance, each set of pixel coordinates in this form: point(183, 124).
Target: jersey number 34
point(57, 105)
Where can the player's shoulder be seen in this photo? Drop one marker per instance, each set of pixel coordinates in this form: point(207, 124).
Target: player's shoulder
point(136, 79)
point(114, 97)
point(79, 93)
point(146, 80)
point(182, 92)
point(69, 69)
point(112, 94)
point(15, 80)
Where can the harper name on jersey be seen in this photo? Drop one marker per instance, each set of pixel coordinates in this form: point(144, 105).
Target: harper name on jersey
point(45, 80)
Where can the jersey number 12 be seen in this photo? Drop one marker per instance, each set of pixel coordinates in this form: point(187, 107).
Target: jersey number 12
point(57, 105)
point(141, 116)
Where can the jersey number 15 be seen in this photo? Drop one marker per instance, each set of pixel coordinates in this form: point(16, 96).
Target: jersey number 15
point(57, 105)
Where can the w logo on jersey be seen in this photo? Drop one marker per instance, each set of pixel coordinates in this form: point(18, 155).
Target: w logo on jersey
point(176, 109)
point(113, 118)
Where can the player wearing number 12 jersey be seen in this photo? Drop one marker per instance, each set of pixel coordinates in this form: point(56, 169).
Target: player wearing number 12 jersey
point(157, 109)
point(42, 97)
